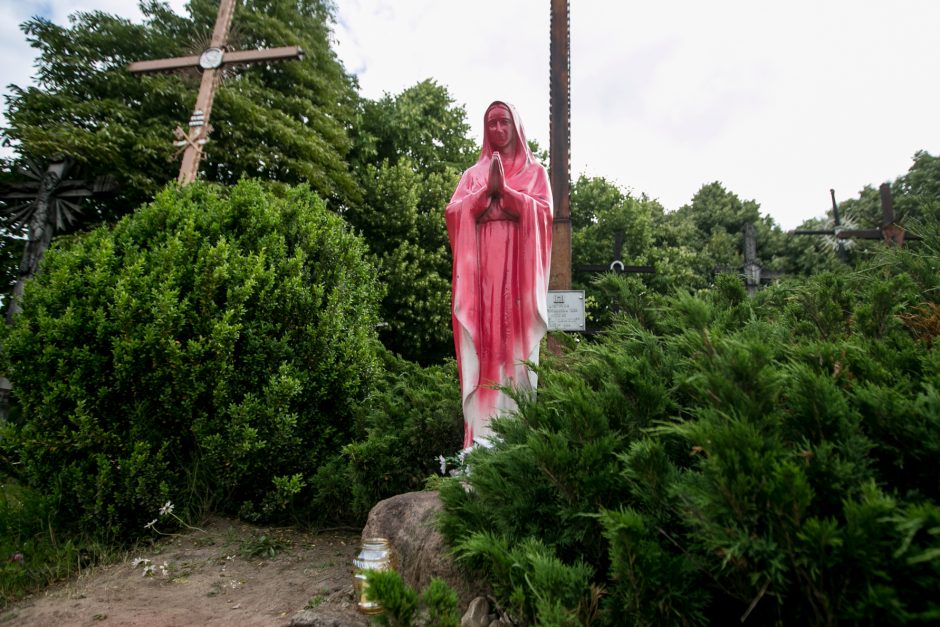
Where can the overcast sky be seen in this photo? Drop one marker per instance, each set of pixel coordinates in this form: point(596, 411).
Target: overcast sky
point(779, 101)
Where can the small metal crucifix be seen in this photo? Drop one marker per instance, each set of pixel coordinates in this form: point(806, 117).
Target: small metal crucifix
point(211, 62)
point(617, 266)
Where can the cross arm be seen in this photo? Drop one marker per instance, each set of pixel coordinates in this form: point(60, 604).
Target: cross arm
point(260, 56)
point(616, 266)
point(813, 232)
point(17, 195)
point(163, 65)
point(860, 234)
point(228, 58)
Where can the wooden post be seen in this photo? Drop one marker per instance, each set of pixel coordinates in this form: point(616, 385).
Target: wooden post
point(560, 146)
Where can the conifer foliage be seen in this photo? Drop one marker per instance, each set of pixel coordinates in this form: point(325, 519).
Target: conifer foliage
point(765, 461)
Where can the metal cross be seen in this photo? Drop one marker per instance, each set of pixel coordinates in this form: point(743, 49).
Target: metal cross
point(211, 62)
point(617, 266)
point(890, 231)
point(47, 202)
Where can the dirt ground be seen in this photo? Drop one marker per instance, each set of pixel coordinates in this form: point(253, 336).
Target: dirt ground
point(230, 573)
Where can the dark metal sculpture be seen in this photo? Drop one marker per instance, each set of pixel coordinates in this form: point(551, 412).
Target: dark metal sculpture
point(46, 202)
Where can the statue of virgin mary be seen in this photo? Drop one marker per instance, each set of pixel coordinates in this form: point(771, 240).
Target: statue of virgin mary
point(499, 222)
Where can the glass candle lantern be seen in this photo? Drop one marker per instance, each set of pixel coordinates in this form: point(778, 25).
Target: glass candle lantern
point(375, 554)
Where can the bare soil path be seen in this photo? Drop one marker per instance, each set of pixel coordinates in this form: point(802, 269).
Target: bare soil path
point(230, 573)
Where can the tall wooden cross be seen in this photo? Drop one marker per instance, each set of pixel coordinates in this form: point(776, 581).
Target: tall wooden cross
point(559, 277)
point(211, 62)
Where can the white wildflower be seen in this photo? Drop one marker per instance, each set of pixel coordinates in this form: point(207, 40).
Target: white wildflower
point(443, 461)
point(167, 508)
point(164, 569)
point(151, 523)
point(149, 570)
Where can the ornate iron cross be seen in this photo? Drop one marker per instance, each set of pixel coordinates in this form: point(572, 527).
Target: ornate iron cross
point(890, 231)
point(211, 62)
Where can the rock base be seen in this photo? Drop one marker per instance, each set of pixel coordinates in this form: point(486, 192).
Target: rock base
point(408, 522)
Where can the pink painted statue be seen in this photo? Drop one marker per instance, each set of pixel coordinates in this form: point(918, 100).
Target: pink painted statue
point(499, 221)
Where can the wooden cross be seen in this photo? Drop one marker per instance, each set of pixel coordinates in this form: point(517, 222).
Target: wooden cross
point(211, 62)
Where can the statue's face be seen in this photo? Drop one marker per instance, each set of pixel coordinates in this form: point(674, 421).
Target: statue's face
point(500, 130)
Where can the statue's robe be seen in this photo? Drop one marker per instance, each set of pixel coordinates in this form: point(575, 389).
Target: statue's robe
point(500, 287)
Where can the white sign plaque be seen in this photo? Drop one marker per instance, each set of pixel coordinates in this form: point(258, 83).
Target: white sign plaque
point(566, 310)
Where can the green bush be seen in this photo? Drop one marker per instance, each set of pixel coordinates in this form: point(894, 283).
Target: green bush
point(436, 606)
point(410, 418)
point(766, 460)
point(207, 350)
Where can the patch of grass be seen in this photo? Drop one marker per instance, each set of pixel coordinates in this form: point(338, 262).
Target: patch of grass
point(32, 554)
point(203, 541)
point(262, 546)
point(215, 589)
point(315, 601)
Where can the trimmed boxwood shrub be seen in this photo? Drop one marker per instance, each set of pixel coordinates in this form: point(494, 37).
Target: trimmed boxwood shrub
point(208, 350)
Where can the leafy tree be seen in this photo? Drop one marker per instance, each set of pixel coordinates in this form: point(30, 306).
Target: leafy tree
point(409, 153)
point(421, 124)
point(917, 193)
point(286, 122)
point(599, 211)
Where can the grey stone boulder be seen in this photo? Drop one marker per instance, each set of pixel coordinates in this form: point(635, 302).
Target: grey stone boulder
point(407, 521)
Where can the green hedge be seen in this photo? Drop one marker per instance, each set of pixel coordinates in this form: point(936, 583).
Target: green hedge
point(722, 460)
point(411, 417)
point(208, 350)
